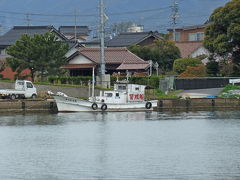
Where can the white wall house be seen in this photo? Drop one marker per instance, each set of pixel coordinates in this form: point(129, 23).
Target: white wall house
point(200, 51)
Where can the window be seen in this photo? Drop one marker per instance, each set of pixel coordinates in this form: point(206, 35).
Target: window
point(117, 96)
point(29, 85)
point(121, 87)
point(136, 88)
point(196, 36)
point(108, 94)
point(177, 36)
point(200, 36)
point(20, 83)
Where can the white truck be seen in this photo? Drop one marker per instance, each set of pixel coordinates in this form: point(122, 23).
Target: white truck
point(23, 89)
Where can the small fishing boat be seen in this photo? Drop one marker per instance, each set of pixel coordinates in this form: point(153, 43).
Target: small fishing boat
point(124, 97)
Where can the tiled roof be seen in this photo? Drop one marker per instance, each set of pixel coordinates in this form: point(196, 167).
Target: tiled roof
point(96, 41)
point(128, 39)
point(199, 26)
point(188, 48)
point(15, 33)
point(112, 55)
point(68, 30)
point(133, 66)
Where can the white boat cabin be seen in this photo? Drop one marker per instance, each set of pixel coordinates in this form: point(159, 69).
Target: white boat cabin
point(122, 93)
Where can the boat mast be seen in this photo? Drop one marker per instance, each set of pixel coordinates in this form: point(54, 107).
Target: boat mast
point(102, 35)
point(93, 81)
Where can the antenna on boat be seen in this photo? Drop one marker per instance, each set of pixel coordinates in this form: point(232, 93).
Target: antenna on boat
point(93, 81)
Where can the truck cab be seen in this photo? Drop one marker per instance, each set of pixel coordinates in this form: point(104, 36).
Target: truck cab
point(27, 87)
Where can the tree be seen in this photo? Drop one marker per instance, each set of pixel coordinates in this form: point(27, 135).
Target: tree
point(212, 68)
point(194, 71)
point(41, 53)
point(181, 64)
point(162, 51)
point(223, 33)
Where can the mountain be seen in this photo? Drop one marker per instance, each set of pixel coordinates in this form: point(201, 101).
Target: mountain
point(153, 14)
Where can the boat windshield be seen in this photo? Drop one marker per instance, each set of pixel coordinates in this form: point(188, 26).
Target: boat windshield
point(121, 87)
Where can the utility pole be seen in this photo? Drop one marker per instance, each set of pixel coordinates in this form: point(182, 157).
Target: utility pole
point(28, 19)
point(174, 17)
point(102, 36)
point(75, 27)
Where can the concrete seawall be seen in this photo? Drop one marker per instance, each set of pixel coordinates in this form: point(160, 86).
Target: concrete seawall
point(198, 104)
point(27, 106)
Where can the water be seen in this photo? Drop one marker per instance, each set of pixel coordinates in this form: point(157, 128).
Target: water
point(124, 146)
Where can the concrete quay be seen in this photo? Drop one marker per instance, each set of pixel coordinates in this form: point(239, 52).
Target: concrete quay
point(27, 105)
point(198, 104)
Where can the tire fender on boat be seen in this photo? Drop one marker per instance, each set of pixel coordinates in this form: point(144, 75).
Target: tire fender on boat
point(94, 106)
point(148, 105)
point(104, 107)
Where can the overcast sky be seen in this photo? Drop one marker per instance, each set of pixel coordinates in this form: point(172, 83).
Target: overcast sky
point(153, 14)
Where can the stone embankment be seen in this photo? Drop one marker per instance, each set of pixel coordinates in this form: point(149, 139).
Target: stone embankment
point(25, 105)
point(198, 104)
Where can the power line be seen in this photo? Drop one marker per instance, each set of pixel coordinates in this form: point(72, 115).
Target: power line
point(139, 11)
point(85, 15)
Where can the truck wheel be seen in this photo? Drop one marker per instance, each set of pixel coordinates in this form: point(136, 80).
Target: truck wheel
point(13, 96)
point(34, 96)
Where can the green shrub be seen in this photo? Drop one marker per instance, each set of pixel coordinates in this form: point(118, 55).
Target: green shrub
point(230, 87)
point(53, 79)
point(181, 64)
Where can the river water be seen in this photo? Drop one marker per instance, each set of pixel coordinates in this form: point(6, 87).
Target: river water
point(124, 146)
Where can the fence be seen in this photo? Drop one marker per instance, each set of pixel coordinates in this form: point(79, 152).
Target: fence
point(202, 83)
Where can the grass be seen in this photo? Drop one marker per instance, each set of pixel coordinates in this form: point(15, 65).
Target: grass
point(225, 92)
point(158, 94)
point(230, 87)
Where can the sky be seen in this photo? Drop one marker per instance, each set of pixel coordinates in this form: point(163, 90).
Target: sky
point(153, 14)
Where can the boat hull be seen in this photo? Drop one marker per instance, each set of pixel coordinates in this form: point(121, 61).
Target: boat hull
point(70, 104)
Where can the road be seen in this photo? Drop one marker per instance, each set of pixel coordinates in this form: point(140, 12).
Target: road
point(209, 92)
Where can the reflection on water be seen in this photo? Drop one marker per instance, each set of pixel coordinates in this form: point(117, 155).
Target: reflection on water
point(182, 145)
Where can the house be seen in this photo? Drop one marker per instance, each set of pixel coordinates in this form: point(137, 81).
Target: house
point(127, 39)
point(14, 34)
point(189, 40)
point(117, 60)
point(133, 38)
point(81, 32)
